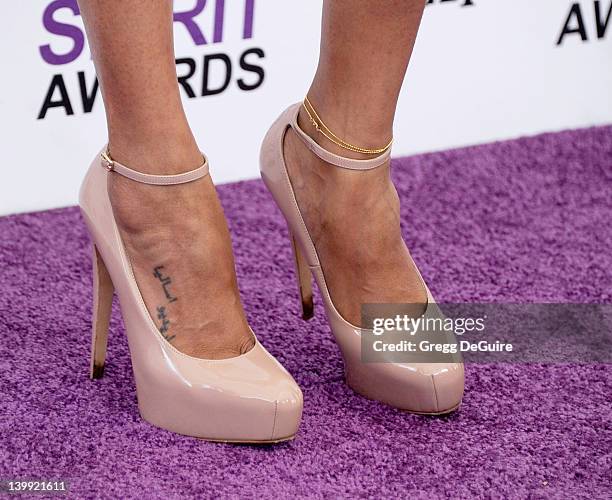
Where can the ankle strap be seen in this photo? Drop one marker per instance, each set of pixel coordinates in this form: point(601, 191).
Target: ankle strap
point(160, 180)
point(334, 159)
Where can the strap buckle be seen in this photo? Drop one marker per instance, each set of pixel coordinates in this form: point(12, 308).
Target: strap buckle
point(109, 164)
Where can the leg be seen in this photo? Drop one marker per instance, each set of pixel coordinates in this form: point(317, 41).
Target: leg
point(353, 217)
point(181, 228)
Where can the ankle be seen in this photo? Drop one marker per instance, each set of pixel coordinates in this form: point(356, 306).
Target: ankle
point(161, 152)
point(352, 122)
point(335, 189)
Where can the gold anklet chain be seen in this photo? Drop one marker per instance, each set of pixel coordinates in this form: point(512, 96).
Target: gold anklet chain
point(324, 129)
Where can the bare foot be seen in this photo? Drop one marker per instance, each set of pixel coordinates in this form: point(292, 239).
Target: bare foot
point(353, 219)
point(179, 245)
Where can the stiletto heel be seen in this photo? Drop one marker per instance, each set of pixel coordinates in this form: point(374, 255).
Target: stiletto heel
point(430, 388)
point(304, 280)
point(102, 303)
point(250, 398)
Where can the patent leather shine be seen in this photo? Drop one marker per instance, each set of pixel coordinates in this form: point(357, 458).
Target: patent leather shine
point(248, 398)
point(430, 388)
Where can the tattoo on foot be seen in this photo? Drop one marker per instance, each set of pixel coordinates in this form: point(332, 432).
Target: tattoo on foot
point(162, 312)
point(165, 281)
point(162, 315)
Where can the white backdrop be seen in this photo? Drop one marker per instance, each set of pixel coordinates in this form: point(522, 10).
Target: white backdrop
point(482, 70)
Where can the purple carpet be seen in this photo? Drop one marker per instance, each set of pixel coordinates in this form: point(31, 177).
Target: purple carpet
point(520, 221)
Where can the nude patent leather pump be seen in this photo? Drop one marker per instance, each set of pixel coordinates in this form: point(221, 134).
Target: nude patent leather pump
point(430, 388)
point(248, 398)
